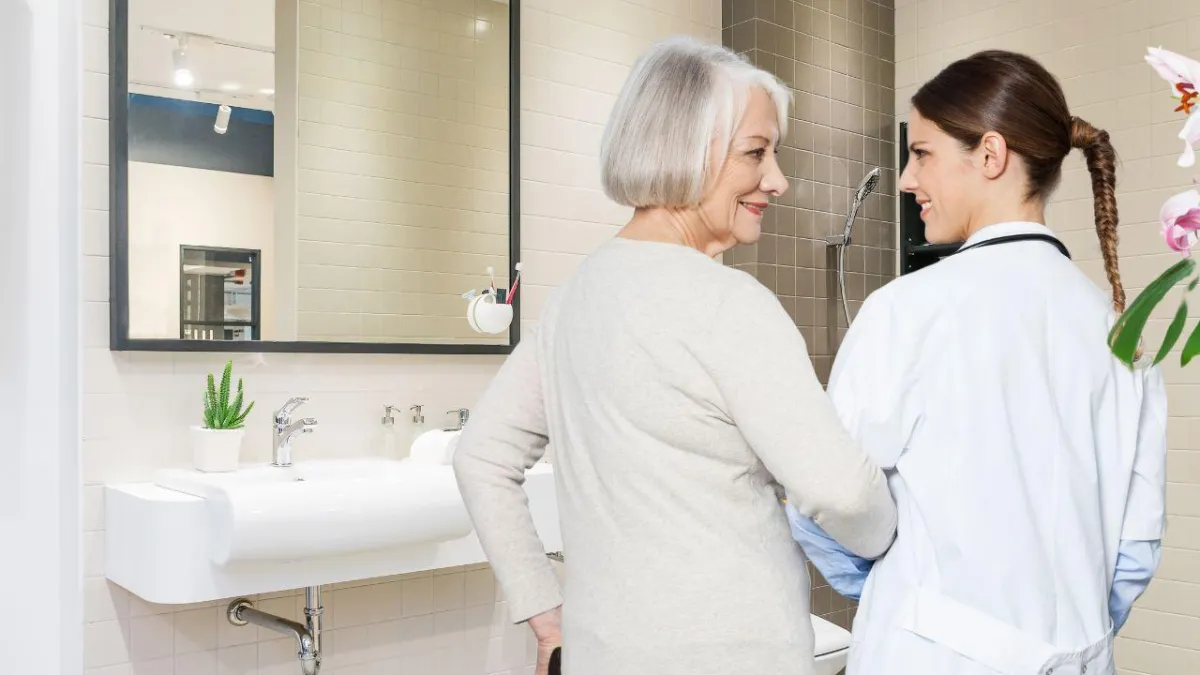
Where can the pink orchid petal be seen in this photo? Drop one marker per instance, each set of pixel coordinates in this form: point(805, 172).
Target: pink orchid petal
point(1178, 205)
point(1177, 238)
point(1174, 68)
point(1190, 135)
point(1180, 219)
point(1189, 221)
point(1162, 67)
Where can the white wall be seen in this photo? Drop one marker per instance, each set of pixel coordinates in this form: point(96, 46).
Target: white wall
point(1096, 49)
point(170, 206)
point(136, 406)
point(39, 348)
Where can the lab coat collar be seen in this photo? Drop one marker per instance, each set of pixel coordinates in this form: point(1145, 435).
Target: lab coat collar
point(1006, 229)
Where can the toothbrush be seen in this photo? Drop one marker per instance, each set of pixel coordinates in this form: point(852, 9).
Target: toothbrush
point(492, 273)
point(516, 281)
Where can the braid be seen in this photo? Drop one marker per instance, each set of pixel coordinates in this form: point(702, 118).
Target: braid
point(1101, 164)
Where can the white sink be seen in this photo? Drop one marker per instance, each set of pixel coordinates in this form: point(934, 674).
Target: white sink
point(190, 536)
point(206, 485)
point(324, 507)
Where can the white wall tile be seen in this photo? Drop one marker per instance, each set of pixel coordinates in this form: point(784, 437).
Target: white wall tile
point(238, 660)
point(105, 644)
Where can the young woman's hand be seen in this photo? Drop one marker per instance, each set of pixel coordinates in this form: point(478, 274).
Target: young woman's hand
point(547, 628)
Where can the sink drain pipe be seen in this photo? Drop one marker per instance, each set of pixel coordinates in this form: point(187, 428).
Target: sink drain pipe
point(308, 635)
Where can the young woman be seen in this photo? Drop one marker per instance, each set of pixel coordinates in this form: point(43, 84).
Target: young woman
point(1027, 463)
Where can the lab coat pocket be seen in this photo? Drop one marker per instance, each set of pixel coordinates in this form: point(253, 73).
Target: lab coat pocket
point(993, 643)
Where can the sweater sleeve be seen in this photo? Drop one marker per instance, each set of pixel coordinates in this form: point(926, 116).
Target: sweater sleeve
point(506, 436)
point(760, 364)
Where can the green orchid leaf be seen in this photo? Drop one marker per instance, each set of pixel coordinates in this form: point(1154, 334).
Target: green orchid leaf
point(1126, 333)
point(1173, 332)
point(1192, 347)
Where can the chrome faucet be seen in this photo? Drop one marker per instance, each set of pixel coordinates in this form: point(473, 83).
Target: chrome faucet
point(463, 415)
point(285, 429)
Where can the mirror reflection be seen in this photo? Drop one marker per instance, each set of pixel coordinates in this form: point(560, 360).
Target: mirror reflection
point(318, 172)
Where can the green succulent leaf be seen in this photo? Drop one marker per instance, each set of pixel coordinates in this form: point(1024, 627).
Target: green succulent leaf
point(225, 377)
point(219, 411)
point(240, 420)
point(236, 407)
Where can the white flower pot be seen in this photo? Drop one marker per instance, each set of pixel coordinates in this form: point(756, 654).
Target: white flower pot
point(216, 450)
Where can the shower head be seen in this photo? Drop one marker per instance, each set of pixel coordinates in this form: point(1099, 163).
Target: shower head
point(867, 185)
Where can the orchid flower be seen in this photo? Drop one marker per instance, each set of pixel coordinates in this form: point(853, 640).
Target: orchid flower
point(1182, 74)
point(1180, 218)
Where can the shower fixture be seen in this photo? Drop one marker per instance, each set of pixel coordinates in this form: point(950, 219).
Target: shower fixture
point(842, 241)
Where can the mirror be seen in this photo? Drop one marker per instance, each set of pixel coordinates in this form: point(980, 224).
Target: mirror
point(313, 176)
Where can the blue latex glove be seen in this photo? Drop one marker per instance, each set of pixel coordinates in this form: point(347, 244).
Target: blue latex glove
point(1137, 561)
point(845, 572)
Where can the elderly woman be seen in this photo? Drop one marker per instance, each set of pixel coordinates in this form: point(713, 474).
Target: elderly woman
point(677, 394)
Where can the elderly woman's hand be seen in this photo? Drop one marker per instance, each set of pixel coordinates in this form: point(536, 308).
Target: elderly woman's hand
point(547, 628)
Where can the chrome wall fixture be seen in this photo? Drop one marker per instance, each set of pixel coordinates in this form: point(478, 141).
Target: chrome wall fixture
point(283, 429)
point(842, 242)
point(308, 635)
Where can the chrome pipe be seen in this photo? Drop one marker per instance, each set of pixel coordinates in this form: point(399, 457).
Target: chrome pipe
point(242, 612)
point(313, 611)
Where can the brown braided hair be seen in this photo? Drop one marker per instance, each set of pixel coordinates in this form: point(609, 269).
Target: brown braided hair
point(1101, 164)
point(1015, 96)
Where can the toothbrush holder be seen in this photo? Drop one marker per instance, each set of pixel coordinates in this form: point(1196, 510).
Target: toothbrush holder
point(486, 315)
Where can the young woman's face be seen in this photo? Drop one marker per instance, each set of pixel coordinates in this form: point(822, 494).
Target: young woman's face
point(942, 176)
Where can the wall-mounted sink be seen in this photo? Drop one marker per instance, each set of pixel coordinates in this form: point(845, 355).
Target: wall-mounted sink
point(324, 507)
point(189, 536)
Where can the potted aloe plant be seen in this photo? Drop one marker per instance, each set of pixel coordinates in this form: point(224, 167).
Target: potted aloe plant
point(217, 444)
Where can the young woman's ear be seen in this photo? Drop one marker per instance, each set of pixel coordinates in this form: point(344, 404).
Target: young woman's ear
point(994, 151)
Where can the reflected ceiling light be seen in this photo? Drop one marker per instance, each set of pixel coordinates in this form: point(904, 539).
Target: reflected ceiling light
point(183, 76)
point(267, 92)
point(481, 26)
point(222, 123)
point(230, 86)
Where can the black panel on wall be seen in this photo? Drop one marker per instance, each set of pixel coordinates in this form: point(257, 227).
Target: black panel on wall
point(915, 251)
point(180, 133)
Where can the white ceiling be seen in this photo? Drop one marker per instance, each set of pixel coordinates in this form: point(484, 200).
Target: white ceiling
point(223, 73)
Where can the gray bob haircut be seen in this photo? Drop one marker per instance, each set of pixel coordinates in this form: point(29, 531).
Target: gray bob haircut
point(673, 122)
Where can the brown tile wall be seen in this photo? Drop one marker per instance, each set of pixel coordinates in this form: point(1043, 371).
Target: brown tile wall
point(838, 58)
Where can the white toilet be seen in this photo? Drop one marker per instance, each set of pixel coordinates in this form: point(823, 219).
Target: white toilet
point(831, 646)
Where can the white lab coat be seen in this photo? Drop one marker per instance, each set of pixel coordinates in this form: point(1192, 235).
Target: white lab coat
point(1020, 452)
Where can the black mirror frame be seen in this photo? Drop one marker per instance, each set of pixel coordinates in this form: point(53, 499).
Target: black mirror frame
point(118, 138)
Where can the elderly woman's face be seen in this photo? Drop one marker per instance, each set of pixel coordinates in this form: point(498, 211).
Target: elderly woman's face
point(734, 205)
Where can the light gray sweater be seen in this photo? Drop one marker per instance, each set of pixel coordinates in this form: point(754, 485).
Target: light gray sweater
point(677, 393)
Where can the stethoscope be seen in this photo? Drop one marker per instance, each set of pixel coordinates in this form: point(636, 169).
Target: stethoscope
point(1008, 239)
point(1024, 237)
